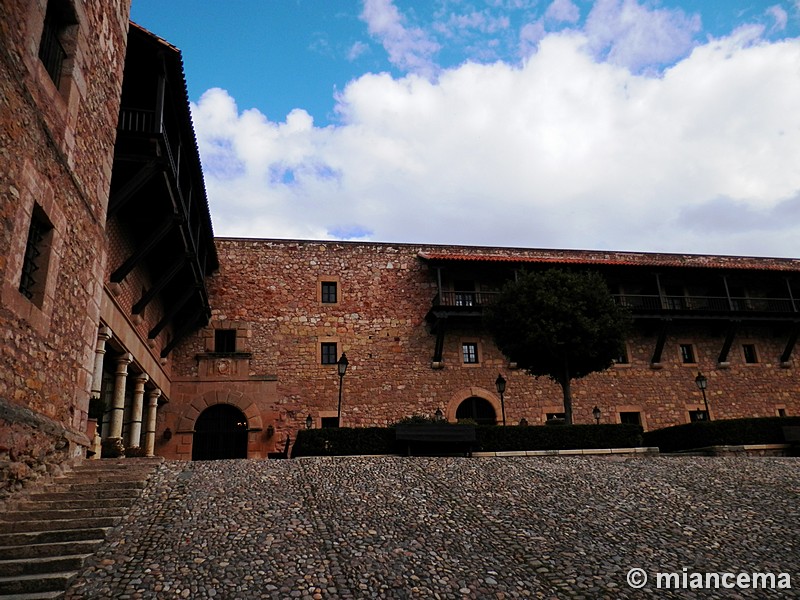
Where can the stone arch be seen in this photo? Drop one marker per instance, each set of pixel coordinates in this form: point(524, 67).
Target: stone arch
point(221, 396)
point(469, 392)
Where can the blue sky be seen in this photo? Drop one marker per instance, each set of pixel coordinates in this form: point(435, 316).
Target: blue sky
point(621, 124)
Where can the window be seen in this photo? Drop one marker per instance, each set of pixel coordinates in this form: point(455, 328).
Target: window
point(465, 293)
point(781, 412)
point(687, 354)
point(36, 258)
point(630, 418)
point(328, 353)
point(698, 415)
point(749, 351)
point(329, 295)
point(225, 340)
point(470, 352)
point(53, 46)
point(329, 422)
point(555, 416)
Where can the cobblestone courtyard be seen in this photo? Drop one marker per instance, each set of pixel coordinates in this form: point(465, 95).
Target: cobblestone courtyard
point(395, 527)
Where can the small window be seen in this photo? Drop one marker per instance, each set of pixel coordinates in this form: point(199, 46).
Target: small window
point(781, 412)
point(470, 353)
point(53, 46)
point(622, 358)
point(556, 416)
point(630, 418)
point(698, 415)
point(329, 292)
point(749, 351)
point(687, 354)
point(37, 257)
point(225, 340)
point(328, 353)
point(329, 422)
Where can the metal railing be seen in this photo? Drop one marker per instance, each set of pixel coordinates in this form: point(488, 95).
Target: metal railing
point(705, 303)
point(51, 52)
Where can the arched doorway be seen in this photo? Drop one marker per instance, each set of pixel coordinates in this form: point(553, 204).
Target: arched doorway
point(478, 409)
point(220, 432)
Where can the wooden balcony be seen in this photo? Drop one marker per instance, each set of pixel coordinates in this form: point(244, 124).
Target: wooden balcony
point(707, 306)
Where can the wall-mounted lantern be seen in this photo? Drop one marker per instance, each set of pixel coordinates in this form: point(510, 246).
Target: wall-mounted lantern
point(309, 422)
point(167, 435)
point(270, 431)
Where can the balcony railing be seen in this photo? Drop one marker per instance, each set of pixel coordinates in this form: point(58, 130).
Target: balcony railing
point(137, 120)
point(645, 303)
point(704, 303)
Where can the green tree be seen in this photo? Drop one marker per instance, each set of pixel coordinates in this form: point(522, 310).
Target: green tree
point(559, 324)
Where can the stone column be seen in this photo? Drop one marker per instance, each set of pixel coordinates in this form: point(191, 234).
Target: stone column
point(103, 335)
point(150, 432)
point(135, 424)
point(118, 400)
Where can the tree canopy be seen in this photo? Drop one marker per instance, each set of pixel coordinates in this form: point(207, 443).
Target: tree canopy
point(559, 324)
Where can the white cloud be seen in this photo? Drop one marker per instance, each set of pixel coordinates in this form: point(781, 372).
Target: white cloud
point(563, 11)
point(631, 35)
point(563, 151)
point(780, 16)
point(409, 49)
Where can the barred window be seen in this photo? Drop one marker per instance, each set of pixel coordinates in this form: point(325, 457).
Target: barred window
point(52, 46)
point(34, 262)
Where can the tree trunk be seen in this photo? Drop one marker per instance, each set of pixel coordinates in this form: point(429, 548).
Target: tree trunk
point(566, 388)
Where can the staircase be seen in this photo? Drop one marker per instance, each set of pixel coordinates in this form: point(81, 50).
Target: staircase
point(46, 539)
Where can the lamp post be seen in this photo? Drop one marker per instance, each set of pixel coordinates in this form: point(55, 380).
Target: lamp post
point(500, 384)
point(596, 415)
point(341, 365)
point(702, 383)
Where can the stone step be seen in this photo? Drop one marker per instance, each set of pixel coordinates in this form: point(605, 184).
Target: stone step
point(46, 564)
point(58, 524)
point(54, 496)
point(50, 549)
point(61, 514)
point(33, 596)
point(134, 487)
point(65, 503)
point(26, 538)
point(30, 584)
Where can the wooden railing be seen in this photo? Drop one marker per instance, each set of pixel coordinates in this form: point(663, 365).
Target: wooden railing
point(705, 303)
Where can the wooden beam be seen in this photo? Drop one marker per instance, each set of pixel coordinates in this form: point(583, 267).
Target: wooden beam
point(148, 296)
point(130, 188)
point(173, 310)
point(787, 353)
point(726, 346)
point(156, 235)
point(662, 339)
point(441, 327)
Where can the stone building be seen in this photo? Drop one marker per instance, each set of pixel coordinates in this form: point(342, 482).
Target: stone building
point(408, 318)
point(61, 64)
point(119, 306)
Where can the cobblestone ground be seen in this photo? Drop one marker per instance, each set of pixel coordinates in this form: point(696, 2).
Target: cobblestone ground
point(393, 527)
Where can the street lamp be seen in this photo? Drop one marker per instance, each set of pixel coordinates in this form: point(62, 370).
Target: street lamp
point(438, 415)
point(702, 384)
point(500, 384)
point(341, 365)
point(596, 415)
point(309, 422)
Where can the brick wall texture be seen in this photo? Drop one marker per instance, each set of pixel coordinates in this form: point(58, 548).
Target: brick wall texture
point(269, 290)
point(56, 150)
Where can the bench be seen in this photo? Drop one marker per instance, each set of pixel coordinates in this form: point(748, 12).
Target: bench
point(436, 440)
point(285, 453)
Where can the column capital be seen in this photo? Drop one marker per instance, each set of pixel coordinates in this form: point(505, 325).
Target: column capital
point(104, 333)
point(141, 379)
point(153, 395)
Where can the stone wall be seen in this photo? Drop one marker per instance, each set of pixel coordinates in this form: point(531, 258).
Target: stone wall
point(56, 150)
point(270, 291)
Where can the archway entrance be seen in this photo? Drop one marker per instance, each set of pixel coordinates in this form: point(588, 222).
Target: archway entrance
point(478, 409)
point(220, 432)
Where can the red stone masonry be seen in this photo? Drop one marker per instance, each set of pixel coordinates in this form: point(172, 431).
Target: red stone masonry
point(270, 290)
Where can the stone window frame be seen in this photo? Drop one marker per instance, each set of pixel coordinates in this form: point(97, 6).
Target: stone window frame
point(36, 199)
point(335, 279)
point(696, 408)
point(628, 356)
point(756, 354)
point(58, 104)
point(478, 352)
point(693, 348)
point(551, 409)
point(631, 408)
point(781, 408)
point(328, 340)
point(243, 334)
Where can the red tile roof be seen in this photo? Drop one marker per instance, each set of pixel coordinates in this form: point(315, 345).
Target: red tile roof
point(629, 259)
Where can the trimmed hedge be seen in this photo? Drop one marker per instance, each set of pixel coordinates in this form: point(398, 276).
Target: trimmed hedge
point(344, 441)
point(732, 432)
point(489, 438)
point(562, 437)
